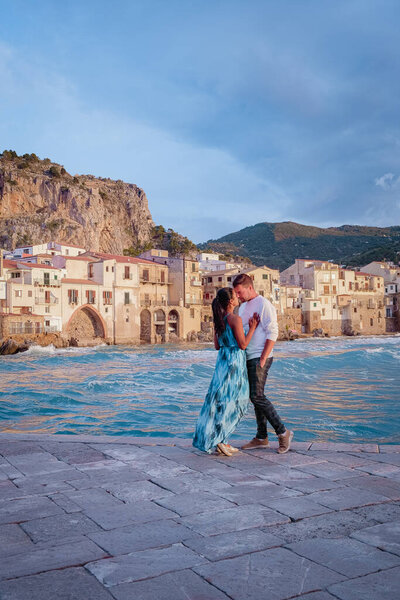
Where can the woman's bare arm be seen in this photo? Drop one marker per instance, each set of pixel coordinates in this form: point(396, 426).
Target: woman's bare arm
point(236, 325)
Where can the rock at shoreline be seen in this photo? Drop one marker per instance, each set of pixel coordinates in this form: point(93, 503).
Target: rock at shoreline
point(10, 346)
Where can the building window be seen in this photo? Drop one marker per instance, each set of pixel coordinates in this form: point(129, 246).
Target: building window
point(15, 275)
point(107, 297)
point(323, 312)
point(90, 296)
point(72, 296)
point(18, 293)
point(112, 269)
point(355, 310)
point(388, 312)
point(47, 323)
point(126, 298)
point(162, 276)
point(334, 289)
point(207, 296)
point(193, 267)
point(47, 297)
point(46, 278)
point(219, 278)
point(29, 293)
point(90, 271)
point(66, 252)
point(229, 279)
point(47, 309)
point(371, 322)
point(127, 273)
point(145, 275)
point(192, 313)
point(326, 289)
point(209, 279)
point(315, 305)
point(265, 276)
point(106, 269)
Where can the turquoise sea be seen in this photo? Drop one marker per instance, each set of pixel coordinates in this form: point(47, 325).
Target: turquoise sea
point(338, 389)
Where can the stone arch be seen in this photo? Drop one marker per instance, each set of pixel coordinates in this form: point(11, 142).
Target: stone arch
point(86, 324)
point(145, 326)
point(173, 323)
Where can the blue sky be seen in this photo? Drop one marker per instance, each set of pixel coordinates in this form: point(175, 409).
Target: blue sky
point(227, 113)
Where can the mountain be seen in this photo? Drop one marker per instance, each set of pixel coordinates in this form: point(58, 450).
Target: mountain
point(277, 245)
point(40, 201)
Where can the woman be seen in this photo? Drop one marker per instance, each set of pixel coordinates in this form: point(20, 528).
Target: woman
point(228, 395)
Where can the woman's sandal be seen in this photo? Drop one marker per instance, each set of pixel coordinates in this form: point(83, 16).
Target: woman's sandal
point(232, 449)
point(224, 449)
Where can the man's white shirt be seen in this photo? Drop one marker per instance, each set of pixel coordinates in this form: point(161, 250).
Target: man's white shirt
point(267, 328)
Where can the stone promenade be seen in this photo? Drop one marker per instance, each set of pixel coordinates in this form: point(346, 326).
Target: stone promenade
point(102, 518)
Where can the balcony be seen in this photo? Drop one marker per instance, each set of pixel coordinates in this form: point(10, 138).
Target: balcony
point(152, 302)
point(154, 280)
point(195, 282)
point(44, 281)
point(43, 300)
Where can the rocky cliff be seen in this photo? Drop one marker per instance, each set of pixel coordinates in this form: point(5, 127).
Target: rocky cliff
point(40, 201)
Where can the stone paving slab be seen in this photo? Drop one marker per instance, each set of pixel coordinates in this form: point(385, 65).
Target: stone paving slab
point(156, 518)
point(233, 519)
point(65, 584)
point(236, 543)
point(334, 524)
point(385, 536)
point(62, 527)
point(144, 564)
point(376, 586)
point(48, 559)
point(347, 557)
point(142, 537)
point(26, 509)
point(256, 493)
point(181, 585)
point(278, 571)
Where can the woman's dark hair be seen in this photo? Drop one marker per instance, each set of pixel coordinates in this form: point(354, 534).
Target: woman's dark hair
point(219, 306)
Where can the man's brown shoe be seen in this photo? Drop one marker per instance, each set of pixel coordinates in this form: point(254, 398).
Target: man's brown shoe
point(285, 439)
point(256, 443)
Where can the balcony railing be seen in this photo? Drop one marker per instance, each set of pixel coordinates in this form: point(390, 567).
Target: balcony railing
point(43, 281)
point(20, 328)
point(154, 280)
point(152, 302)
point(43, 300)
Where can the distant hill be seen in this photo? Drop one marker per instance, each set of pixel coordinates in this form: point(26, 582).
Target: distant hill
point(277, 245)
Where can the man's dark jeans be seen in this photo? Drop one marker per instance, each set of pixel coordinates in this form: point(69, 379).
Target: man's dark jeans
point(262, 406)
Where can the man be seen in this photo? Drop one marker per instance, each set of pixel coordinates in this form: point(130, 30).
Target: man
point(259, 360)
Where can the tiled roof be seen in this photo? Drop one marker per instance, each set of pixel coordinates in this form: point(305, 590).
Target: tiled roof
point(123, 259)
point(84, 281)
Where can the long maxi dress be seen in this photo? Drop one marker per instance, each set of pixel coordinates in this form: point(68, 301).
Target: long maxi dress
point(227, 398)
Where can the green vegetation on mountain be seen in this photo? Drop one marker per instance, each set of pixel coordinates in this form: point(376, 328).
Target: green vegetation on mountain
point(277, 245)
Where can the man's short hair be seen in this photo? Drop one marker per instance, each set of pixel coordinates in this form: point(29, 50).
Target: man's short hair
point(242, 279)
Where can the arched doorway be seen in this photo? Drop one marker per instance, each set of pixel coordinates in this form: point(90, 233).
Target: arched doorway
point(173, 323)
point(145, 326)
point(86, 325)
point(159, 322)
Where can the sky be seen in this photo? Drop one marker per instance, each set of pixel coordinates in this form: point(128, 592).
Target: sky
point(227, 113)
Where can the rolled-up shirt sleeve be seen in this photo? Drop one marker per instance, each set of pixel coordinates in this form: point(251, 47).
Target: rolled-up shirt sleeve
point(269, 321)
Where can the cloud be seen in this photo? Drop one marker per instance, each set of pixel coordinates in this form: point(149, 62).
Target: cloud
point(199, 190)
point(387, 181)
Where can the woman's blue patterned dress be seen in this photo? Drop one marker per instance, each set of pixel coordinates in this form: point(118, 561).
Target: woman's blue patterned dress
point(227, 397)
